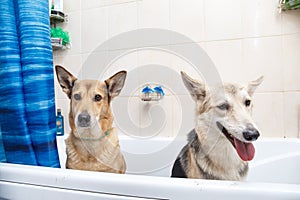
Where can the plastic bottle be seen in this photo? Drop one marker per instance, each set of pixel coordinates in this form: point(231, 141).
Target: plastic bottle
point(59, 123)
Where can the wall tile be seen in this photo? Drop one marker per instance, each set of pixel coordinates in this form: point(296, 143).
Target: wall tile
point(263, 56)
point(92, 4)
point(153, 55)
point(72, 5)
point(261, 18)
point(291, 62)
point(187, 18)
point(114, 2)
point(144, 119)
point(73, 27)
point(59, 94)
point(268, 113)
point(227, 57)
point(292, 114)
point(70, 63)
point(94, 65)
point(194, 65)
point(94, 29)
point(153, 14)
point(150, 60)
point(122, 18)
point(291, 22)
point(124, 60)
point(156, 118)
point(126, 113)
point(57, 60)
point(223, 19)
point(184, 116)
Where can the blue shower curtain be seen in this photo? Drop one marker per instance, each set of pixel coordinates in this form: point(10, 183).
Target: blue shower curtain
point(27, 103)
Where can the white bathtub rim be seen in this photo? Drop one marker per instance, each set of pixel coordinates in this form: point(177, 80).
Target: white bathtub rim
point(273, 158)
point(127, 184)
point(181, 141)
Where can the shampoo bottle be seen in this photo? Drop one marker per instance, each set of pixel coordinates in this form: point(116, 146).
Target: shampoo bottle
point(59, 123)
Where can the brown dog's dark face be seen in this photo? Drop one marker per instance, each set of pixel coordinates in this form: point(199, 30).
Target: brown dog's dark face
point(90, 100)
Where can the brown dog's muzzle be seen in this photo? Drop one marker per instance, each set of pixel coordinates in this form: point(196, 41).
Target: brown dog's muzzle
point(84, 119)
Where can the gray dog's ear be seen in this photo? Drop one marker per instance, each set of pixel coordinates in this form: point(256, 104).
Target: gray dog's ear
point(65, 79)
point(115, 84)
point(254, 84)
point(195, 87)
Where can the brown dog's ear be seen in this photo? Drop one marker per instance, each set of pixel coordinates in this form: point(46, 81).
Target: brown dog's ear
point(115, 84)
point(65, 79)
point(196, 88)
point(254, 84)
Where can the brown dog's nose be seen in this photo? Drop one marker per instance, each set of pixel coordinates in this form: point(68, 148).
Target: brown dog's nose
point(84, 119)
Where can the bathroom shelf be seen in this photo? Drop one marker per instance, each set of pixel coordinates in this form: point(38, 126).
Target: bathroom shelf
point(57, 44)
point(58, 17)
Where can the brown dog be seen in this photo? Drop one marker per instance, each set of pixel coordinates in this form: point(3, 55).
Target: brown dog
point(93, 143)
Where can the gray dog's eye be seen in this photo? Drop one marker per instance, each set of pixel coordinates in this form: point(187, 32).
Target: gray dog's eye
point(77, 97)
point(98, 97)
point(224, 106)
point(247, 102)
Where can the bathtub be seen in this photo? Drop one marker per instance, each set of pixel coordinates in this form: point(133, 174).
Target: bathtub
point(274, 174)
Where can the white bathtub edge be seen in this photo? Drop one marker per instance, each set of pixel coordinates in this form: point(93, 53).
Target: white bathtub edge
point(154, 187)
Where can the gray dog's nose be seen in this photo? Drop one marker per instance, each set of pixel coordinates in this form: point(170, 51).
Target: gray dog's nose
point(84, 119)
point(251, 134)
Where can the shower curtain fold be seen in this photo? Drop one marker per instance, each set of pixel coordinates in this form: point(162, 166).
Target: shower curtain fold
point(27, 110)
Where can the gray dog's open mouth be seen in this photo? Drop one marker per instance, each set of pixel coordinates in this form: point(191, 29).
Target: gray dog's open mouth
point(225, 132)
point(245, 150)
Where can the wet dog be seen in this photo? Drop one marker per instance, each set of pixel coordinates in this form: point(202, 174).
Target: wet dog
point(220, 146)
point(93, 143)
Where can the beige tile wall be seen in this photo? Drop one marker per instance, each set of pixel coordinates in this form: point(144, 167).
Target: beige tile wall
point(244, 39)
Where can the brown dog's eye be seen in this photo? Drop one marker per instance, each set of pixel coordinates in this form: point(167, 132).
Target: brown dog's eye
point(77, 97)
point(247, 103)
point(98, 97)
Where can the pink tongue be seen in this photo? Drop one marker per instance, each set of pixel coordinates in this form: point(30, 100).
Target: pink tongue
point(245, 150)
